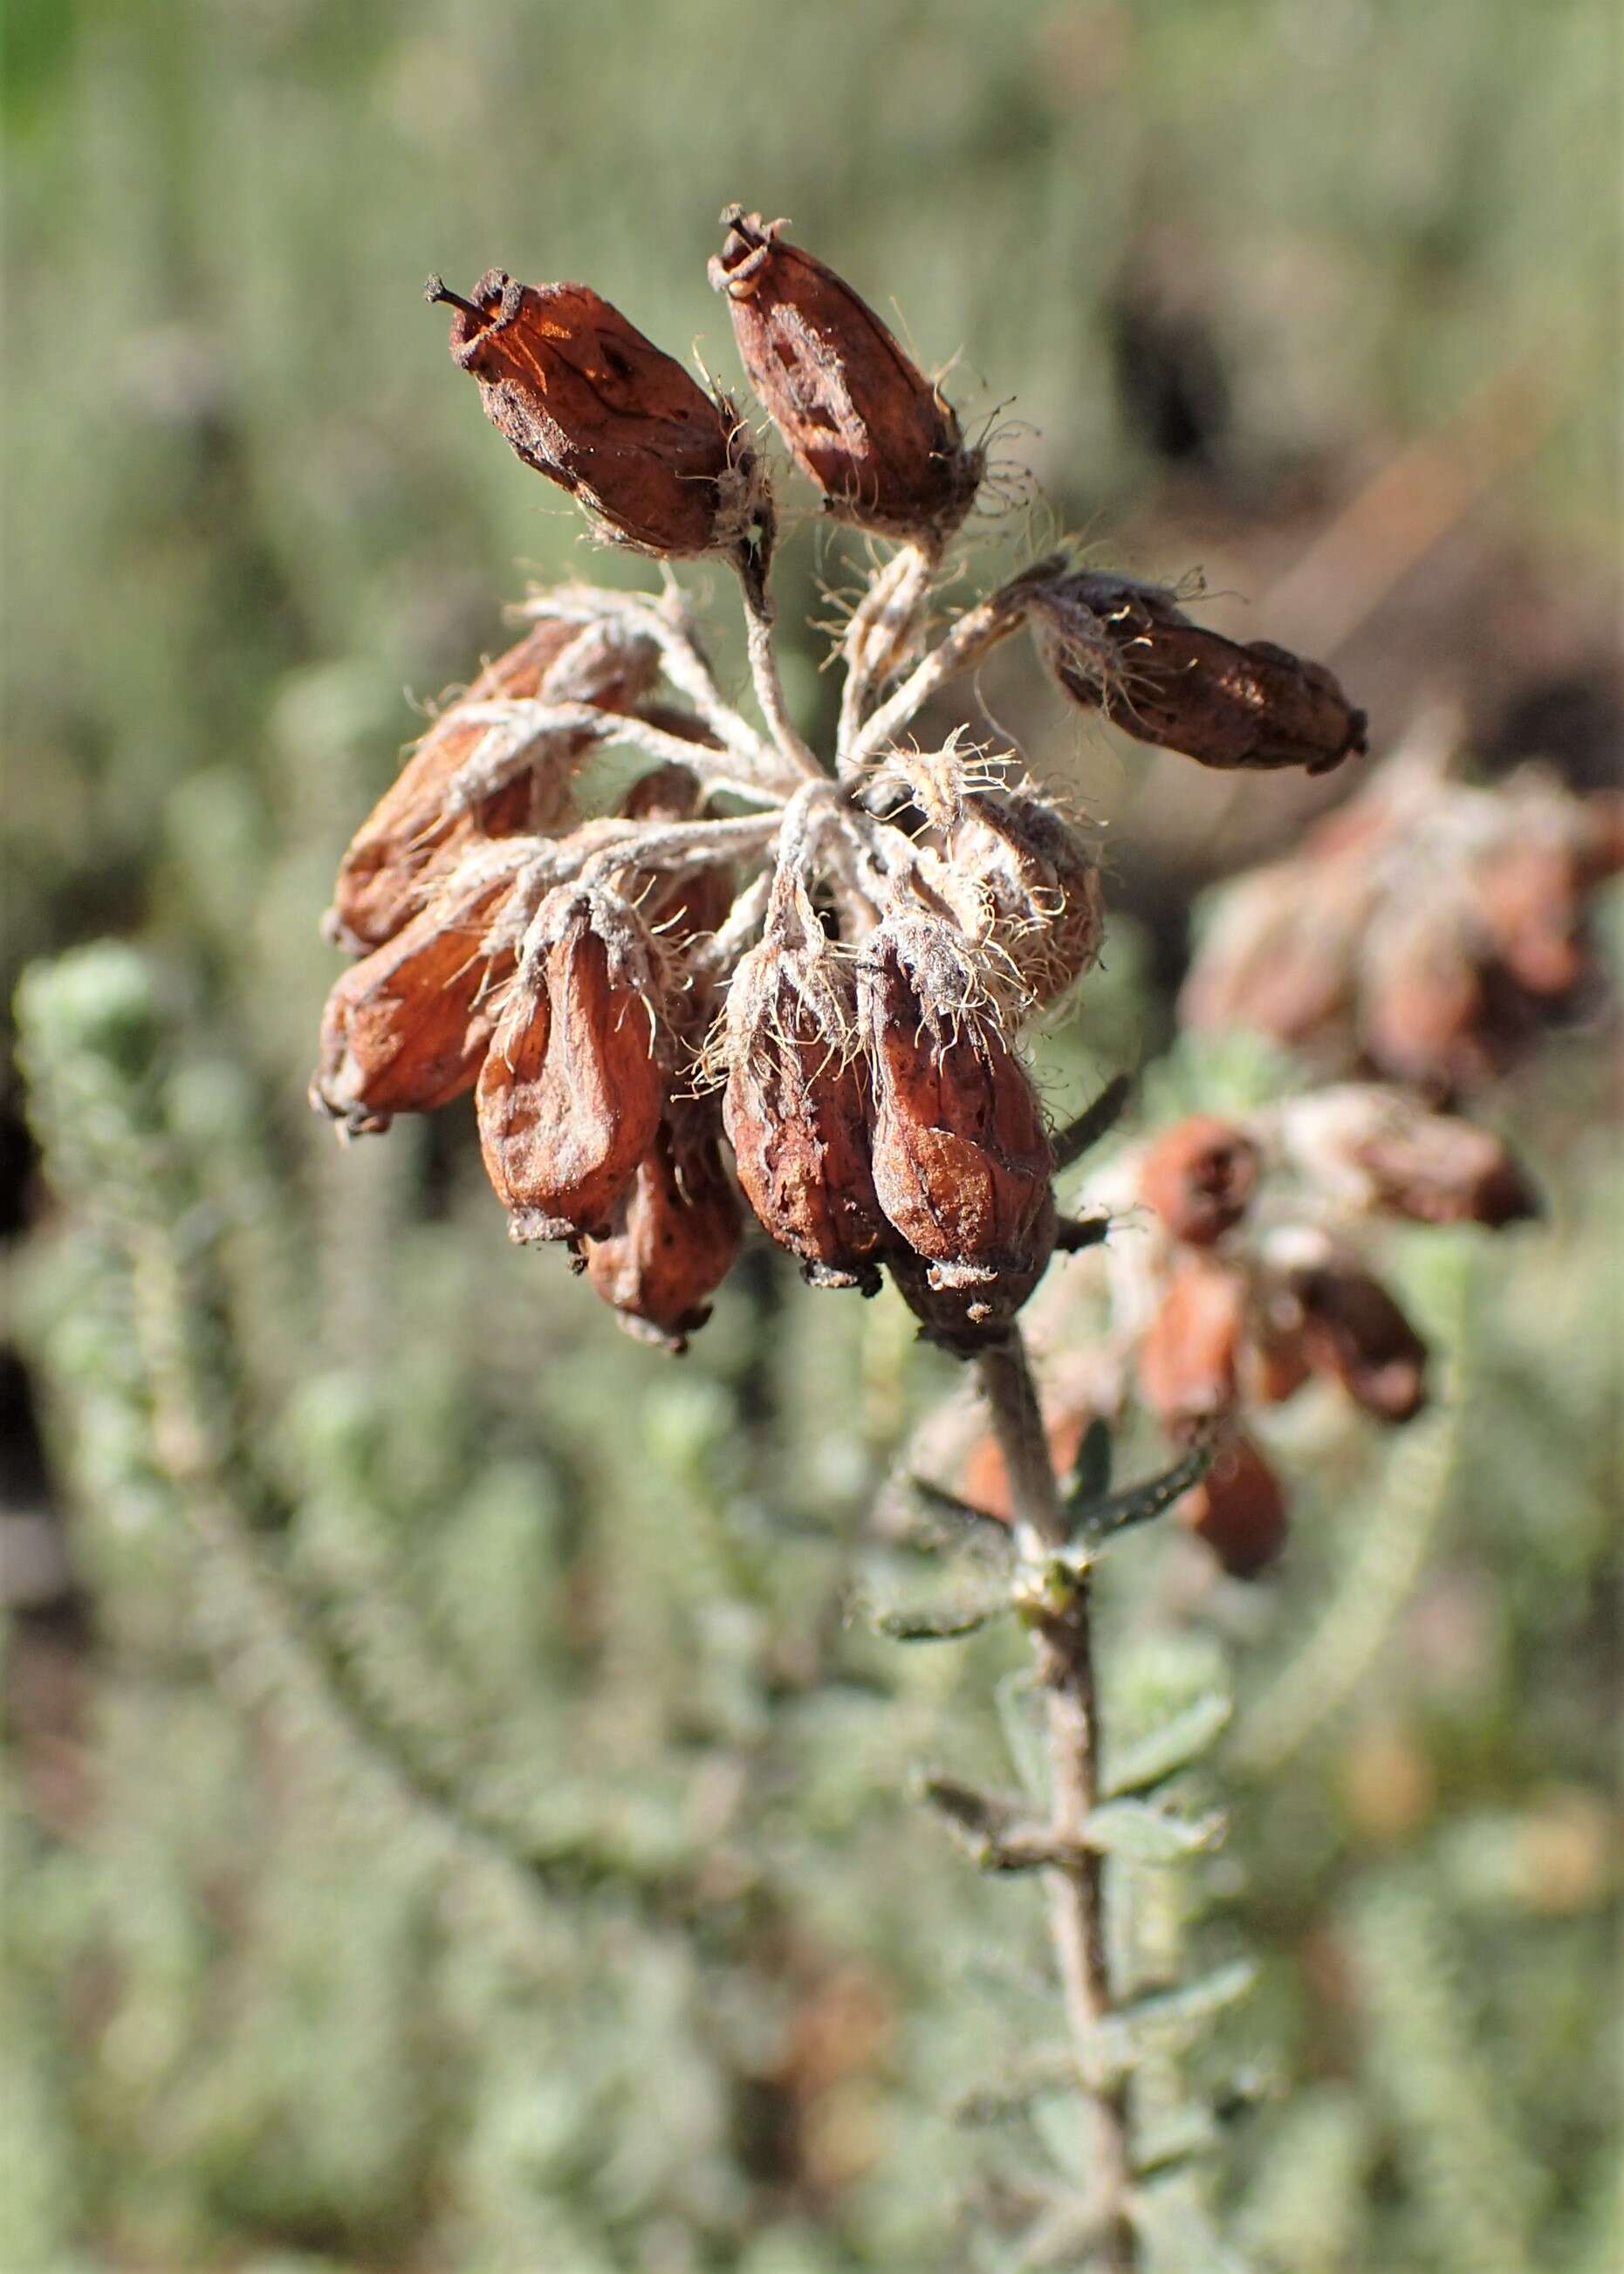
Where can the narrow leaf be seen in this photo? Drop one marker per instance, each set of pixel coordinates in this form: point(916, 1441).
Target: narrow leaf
point(1101, 1519)
point(1171, 1747)
point(1144, 1834)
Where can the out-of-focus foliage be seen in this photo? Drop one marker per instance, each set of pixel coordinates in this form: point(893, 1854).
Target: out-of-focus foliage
point(458, 1815)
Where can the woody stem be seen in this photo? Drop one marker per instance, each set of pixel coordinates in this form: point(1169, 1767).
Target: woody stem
point(1065, 1673)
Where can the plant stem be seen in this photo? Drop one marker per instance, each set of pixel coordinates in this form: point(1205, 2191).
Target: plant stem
point(1066, 1676)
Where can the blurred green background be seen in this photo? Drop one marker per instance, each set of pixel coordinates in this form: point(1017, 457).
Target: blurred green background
point(1317, 297)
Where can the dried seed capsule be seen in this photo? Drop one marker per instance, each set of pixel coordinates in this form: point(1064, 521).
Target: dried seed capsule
point(1354, 1330)
point(675, 1232)
point(1527, 900)
point(961, 1156)
point(412, 833)
point(878, 438)
point(1188, 1358)
point(1278, 955)
point(571, 1093)
point(796, 1104)
point(1200, 1177)
point(680, 905)
point(586, 400)
point(1129, 649)
point(1021, 880)
point(1238, 1510)
point(406, 1028)
point(1378, 1149)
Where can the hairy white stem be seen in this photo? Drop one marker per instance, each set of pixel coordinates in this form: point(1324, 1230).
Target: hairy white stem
point(522, 732)
point(768, 686)
point(877, 636)
point(974, 637)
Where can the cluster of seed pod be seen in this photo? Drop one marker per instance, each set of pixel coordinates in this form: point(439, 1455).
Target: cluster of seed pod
point(1242, 1273)
point(761, 978)
point(1427, 929)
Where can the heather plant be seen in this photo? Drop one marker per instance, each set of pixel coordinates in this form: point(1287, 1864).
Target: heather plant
point(547, 1894)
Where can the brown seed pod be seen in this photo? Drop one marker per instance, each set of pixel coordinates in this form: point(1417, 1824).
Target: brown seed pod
point(587, 401)
point(680, 905)
point(1527, 900)
point(1354, 1330)
point(675, 1232)
point(1189, 1359)
point(796, 1103)
point(412, 833)
point(1238, 1510)
point(878, 437)
point(1428, 1168)
point(1200, 1177)
point(1278, 955)
point(961, 1157)
point(1020, 879)
point(571, 1093)
point(1129, 649)
point(406, 1028)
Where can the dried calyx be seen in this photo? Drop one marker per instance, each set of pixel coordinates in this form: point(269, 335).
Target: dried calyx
point(754, 977)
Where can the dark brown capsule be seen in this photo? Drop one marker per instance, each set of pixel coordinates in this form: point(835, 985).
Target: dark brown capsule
point(796, 1103)
point(572, 1090)
point(1353, 1331)
point(1238, 1510)
point(1200, 1177)
point(961, 1155)
point(1188, 1362)
point(1128, 650)
point(878, 438)
point(587, 401)
point(675, 1232)
point(406, 1028)
point(412, 834)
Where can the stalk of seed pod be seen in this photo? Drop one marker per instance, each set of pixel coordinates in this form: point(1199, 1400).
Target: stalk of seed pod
point(1238, 1510)
point(572, 1089)
point(407, 1027)
point(878, 438)
point(583, 397)
point(675, 1232)
point(413, 831)
point(1200, 1177)
point(961, 1156)
point(1353, 1331)
point(1168, 681)
point(684, 904)
point(796, 1107)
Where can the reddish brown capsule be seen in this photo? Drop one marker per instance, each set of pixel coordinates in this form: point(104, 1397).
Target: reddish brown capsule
point(571, 1093)
point(1353, 1329)
point(413, 832)
point(1021, 880)
point(587, 401)
point(1129, 649)
point(1435, 1168)
point(1527, 899)
point(961, 1157)
point(1188, 1358)
point(406, 1028)
point(675, 1233)
point(796, 1104)
point(878, 438)
point(1200, 1177)
point(1238, 1510)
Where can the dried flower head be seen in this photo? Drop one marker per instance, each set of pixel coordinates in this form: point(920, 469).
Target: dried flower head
point(796, 1104)
point(1128, 650)
point(419, 826)
point(1427, 929)
point(406, 1028)
point(571, 1093)
point(586, 399)
point(675, 1232)
point(961, 1154)
point(878, 438)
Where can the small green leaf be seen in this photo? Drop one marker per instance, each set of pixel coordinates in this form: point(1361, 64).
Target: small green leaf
point(1101, 1520)
point(1144, 1834)
point(959, 1521)
point(940, 1622)
point(1170, 1747)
